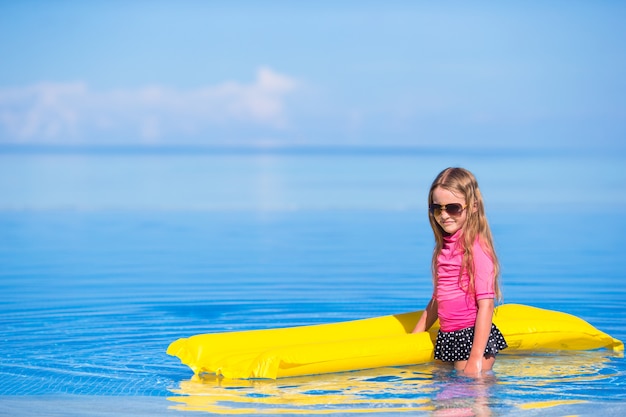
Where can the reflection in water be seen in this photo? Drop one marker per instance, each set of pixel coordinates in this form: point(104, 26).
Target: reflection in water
point(519, 382)
point(384, 389)
point(463, 396)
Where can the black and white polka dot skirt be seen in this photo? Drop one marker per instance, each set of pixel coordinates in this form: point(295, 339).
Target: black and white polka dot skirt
point(456, 346)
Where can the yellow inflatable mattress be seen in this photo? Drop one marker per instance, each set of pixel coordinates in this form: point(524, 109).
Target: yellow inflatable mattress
point(370, 343)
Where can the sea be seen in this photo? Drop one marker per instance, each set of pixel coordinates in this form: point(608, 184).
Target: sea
point(107, 255)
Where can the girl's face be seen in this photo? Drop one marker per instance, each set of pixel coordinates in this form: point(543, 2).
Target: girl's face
point(449, 223)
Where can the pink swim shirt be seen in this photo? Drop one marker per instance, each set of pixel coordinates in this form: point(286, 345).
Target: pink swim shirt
point(457, 308)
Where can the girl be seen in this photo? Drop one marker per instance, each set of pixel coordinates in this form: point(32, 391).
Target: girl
point(465, 275)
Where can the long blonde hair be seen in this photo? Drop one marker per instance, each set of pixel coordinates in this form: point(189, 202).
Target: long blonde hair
point(463, 183)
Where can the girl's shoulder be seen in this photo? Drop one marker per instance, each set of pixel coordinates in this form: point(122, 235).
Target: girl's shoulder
point(482, 249)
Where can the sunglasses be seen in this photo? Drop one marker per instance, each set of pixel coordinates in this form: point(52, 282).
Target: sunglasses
point(453, 209)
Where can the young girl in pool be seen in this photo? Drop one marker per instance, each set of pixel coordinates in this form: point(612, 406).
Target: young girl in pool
point(465, 275)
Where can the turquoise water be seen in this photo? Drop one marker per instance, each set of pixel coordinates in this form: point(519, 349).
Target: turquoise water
point(106, 258)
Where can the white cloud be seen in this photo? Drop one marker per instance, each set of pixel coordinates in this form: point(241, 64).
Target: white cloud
point(70, 111)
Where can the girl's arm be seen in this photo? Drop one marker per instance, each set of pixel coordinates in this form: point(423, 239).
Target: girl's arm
point(482, 329)
point(428, 318)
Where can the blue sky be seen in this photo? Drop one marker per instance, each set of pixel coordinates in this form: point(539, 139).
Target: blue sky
point(446, 74)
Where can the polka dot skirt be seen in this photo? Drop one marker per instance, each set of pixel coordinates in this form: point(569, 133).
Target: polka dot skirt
point(456, 346)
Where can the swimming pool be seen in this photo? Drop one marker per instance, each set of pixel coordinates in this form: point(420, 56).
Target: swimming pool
point(91, 298)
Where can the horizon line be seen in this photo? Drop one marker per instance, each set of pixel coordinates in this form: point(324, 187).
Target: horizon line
point(285, 149)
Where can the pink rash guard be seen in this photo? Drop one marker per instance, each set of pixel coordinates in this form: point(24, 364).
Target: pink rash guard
point(457, 308)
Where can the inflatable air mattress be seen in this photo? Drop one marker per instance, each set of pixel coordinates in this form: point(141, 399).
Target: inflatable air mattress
point(370, 343)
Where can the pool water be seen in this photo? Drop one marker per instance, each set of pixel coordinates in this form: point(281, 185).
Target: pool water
point(93, 293)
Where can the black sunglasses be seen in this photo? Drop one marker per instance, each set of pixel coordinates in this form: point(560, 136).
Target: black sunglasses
point(453, 209)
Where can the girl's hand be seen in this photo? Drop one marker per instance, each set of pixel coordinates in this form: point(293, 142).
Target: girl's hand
point(428, 317)
point(473, 366)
